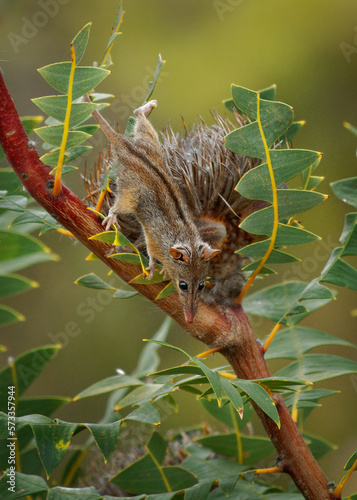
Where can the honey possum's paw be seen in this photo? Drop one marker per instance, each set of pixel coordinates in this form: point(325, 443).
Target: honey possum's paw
point(150, 268)
point(109, 220)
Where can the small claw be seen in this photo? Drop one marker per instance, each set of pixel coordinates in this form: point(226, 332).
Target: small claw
point(145, 108)
point(151, 272)
point(151, 268)
point(164, 272)
point(109, 220)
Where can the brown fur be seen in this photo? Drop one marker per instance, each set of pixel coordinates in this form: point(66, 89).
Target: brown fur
point(147, 190)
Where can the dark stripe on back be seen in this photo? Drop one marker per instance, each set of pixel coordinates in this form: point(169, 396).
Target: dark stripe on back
point(163, 178)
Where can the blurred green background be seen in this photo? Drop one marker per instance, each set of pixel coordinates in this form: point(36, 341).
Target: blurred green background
point(309, 49)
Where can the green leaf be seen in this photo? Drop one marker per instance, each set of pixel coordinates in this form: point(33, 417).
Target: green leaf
point(198, 491)
point(264, 270)
point(287, 137)
point(308, 395)
point(111, 236)
point(21, 250)
point(149, 359)
point(260, 396)
point(142, 476)
point(290, 202)
point(124, 294)
point(157, 447)
point(93, 281)
point(147, 414)
point(15, 202)
point(130, 126)
point(348, 237)
point(107, 385)
point(276, 117)
point(292, 235)
point(225, 415)
point(314, 290)
point(206, 470)
point(254, 448)
point(342, 274)
point(24, 485)
point(44, 405)
point(106, 436)
point(350, 461)
point(28, 366)
point(317, 367)
point(80, 42)
point(165, 292)
point(86, 78)
point(100, 96)
point(34, 216)
point(147, 476)
point(9, 315)
point(76, 151)
point(276, 257)
point(258, 249)
point(145, 393)
point(51, 158)
point(313, 182)
point(10, 183)
point(269, 93)
point(52, 442)
point(54, 134)
point(246, 141)
point(30, 122)
point(233, 395)
point(287, 163)
point(319, 447)
point(179, 478)
point(274, 301)
point(297, 340)
point(213, 378)
point(106, 236)
point(131, 258)
point(56, 106)
point(88, 129)
point(152, 84)
point(286, 302)
point(345, 190)
point(350, 127)
point(141, 279)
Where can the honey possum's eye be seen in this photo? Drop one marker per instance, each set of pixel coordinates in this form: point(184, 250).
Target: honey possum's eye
point(201, 286)
point(183, 286)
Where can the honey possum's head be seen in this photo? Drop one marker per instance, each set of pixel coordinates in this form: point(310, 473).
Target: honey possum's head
point(206, 174)
point(188, 268)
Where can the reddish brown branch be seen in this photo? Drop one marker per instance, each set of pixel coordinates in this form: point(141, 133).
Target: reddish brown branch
point(215, 326)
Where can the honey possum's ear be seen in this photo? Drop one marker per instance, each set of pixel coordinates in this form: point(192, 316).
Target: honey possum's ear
point(212, 231)
point(180, 253)
point(209, 253)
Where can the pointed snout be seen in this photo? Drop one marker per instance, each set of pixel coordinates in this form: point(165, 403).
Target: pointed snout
point(190, 314)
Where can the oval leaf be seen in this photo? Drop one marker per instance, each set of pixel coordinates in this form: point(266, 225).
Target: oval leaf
point(86, 78)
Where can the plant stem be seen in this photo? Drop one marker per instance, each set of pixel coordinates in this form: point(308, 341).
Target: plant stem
point(225, 327)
